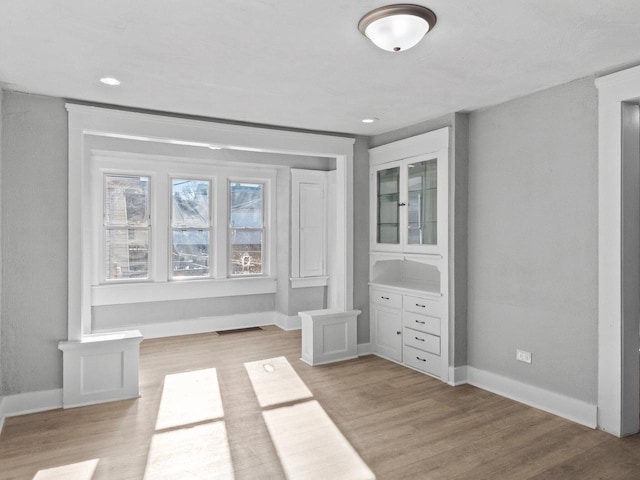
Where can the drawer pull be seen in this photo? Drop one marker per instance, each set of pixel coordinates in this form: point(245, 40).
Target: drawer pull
point(421, 339)
point(421, 322)
point(421, 359)
point(385, 298)
point(421, 306)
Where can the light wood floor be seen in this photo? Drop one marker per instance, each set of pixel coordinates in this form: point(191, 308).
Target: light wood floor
point(401, 423)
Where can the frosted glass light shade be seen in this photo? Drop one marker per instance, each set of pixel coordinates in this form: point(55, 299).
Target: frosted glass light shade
point(396, 28)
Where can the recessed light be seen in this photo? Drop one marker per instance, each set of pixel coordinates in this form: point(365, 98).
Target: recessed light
point(369, 120)
point(110, 81)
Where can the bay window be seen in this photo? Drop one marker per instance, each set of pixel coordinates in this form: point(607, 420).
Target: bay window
point(170, 229)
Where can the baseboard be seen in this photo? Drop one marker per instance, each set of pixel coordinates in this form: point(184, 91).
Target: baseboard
point(365, 349)
point(287, 323)
point(200, 325)
point(566, 407)
point(457, 376)
point(30, 402)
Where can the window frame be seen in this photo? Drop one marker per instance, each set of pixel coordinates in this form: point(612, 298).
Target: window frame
point(211, 220)
point(160, 286)
point(265, 220)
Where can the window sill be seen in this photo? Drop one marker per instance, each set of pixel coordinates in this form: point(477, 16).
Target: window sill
point(304, 282)
point(123, 293)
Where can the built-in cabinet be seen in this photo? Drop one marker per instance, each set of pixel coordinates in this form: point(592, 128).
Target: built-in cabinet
point(409, 258)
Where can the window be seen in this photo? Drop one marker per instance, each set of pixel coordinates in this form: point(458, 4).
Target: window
point(174, 228)
point(190, 228)
point(246, 226)
point(126, 227)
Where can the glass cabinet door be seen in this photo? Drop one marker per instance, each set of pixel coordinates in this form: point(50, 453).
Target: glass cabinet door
point(422, 205)
point(388, 218)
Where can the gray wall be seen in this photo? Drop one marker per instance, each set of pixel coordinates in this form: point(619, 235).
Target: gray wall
point(459, 194)
point(1, 147)
point(458, 179)
point(34, 242)
point(533, 231)
point(361, 235)
point(116, 316)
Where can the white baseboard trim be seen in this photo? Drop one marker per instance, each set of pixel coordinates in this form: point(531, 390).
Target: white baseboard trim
point(457, 376)
point(365, 349)
point(30, 402)
point(200, 325)
point(293, 322)
point(566, 407)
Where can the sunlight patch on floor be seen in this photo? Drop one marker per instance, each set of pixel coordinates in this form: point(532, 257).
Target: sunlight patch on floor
point(188, 398)
point(310, 446)
point(73, 471)
point(276, 382)
point(190, 453)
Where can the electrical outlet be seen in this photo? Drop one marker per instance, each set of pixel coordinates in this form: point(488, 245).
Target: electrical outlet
point(523, 356)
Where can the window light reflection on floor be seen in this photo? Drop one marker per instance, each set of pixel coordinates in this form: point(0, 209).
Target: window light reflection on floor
point(191, 436)
point(75, 471)
point(276, 382)
point(309, 445)
point(197, 452)
point(189, 398)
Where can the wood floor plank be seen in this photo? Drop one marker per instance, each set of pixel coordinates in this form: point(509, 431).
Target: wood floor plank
point(401, 423)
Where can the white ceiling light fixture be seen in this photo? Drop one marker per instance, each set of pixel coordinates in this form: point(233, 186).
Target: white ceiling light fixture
point(397, 28)
point(369, 120)
point(114, 82)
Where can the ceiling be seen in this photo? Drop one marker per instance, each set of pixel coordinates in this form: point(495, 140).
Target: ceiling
point(302, 63)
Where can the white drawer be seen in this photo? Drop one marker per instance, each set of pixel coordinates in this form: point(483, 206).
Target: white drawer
point(425, 306)
point(427, 362)
point(383, 297)
point(421, 322)
point(422, 341)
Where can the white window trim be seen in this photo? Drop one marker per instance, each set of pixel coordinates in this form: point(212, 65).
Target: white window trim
point(98, 236)
point(160, 286)
point(90, 122)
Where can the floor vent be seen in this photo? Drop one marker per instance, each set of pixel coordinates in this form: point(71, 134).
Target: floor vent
point(238, 330)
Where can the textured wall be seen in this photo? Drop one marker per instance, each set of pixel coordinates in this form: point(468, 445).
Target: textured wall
point(533, 232)
point(34, 242)
point(361, 236)
point(1, 147)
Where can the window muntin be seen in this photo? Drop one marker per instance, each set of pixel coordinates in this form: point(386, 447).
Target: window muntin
point(190, 228)
point(126, 227)
point(246, 228)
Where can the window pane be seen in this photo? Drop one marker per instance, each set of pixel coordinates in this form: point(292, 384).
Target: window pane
point(246, 205)
point(190, 203)
point(127, 253)
point(246, 252)
point(423, 203)
point(126, 200)
point(190, 256)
